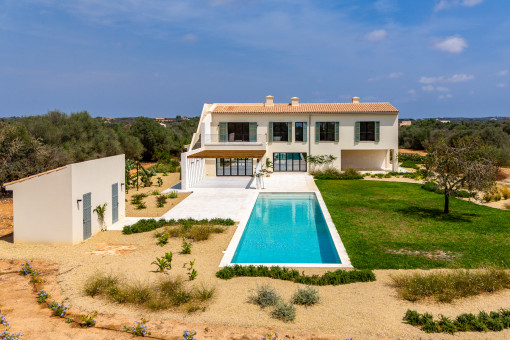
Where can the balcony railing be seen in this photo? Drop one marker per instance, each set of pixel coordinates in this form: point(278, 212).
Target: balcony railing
point(234, 139)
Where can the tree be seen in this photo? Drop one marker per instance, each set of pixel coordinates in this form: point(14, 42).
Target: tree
point(463, 163)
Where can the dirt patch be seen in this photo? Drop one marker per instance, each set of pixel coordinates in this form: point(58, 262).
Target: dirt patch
point(6, 219)
point(433, 255)
point(504, 175)
point(113, 249)
point(150, 201)
point(418, 152)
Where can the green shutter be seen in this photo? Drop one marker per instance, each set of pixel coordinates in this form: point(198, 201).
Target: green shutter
point(270, 132)
point(337, 131)
point(357, 132)
point(223, 132)
point(317, 131)
point(289, 126)
point(305, 132)
point(377, 130)
point(253, 132)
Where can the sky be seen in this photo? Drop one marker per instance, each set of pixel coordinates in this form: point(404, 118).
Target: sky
point(162, 58)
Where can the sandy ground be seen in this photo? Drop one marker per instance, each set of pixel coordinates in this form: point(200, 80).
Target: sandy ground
point(150, 201)
point(419, 152)
point(361, 310)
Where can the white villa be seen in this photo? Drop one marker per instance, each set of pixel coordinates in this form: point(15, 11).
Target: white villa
point(235, 139)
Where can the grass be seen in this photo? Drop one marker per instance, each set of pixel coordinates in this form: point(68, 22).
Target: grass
point(390, 225)
point(448, 286)
point(164, 294)
point(337, 277)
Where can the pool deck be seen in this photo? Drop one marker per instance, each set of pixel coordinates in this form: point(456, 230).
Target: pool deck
point(227, 197)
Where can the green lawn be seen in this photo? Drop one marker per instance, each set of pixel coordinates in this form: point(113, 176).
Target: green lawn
point(387, 225)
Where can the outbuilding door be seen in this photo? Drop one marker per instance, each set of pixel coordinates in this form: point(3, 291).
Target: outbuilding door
point(115, 202)
point(87, 216)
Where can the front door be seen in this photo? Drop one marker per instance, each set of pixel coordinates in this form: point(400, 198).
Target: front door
point(115, 202)
point(87, 216)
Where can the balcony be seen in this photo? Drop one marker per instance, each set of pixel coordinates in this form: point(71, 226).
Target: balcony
point(234, 142)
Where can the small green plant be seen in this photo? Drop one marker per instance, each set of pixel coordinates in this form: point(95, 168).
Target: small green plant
point(271, 336)
point(160, 181)
point(164, 262)
point(161, 201)
point(307, 296)
point(137, 199)
point(89, 320)
point(155, 193)
point(42, 296)
point(172, 194)
point(59, 309)
point(162, 238)
point(141, 206)
point(204, 293)
point(284, 311)
point(192, 273)
point(69, 320)
point(264, 296)
point(35, 278)
point(186, 246)
point(165, 174)
point(140, 329)
point(6, 335)
point(100, 211)
point(189, 335)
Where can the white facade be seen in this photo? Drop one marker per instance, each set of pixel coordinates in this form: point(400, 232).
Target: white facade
point(350, 150)
point(49, 207)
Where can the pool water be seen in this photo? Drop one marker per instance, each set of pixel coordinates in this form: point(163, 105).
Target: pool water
point(286, 228)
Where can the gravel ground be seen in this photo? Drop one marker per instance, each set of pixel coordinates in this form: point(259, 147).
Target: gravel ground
point(360, 310)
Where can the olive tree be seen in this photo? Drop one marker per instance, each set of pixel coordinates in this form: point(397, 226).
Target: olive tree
point(463, 163)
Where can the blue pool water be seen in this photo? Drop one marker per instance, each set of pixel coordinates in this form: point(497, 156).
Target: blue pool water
point(286, 228)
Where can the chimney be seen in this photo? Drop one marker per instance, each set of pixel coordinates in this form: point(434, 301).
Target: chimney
point(269, 100)
point(355, 100)
point(295, 101)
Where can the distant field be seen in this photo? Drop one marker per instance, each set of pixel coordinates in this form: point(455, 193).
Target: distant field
point(389, 225)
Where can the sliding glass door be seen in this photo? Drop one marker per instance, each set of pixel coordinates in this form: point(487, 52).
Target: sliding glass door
point(234, 167)
point(289, 161)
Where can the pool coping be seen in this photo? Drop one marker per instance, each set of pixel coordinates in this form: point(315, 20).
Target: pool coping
point(228, 254)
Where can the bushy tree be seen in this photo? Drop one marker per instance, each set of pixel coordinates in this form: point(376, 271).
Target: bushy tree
point(463, 163)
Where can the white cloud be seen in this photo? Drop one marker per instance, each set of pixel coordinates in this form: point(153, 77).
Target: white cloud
point(445, 4)
point(445, 96)
point(453, 44)
point(412, 91)
point(190, 37)
point(442, 89)
point(376, 36)
point(394, 75)
point(428, 88)
point(501, 85)
point(456, 78)
point(502, 73)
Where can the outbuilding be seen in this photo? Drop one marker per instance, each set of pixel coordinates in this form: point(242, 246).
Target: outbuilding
point(58, 206)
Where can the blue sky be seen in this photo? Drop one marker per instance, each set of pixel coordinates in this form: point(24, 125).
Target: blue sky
point(161, 58)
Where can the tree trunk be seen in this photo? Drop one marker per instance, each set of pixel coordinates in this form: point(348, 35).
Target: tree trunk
point(446, 202)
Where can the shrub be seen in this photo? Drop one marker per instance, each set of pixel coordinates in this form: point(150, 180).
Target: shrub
point(432, 187)
point(89, 320)
point(161, 201)
point(155, 193)
point(141, 206)
point(26, 269)
point(145, 225)
point(337, 277)
point(447, 286)
point(137, 199)
point(186, 246)
point(204, 293)
point(187, 335)
point(172, 194)
point(264, 296)
point(505, 191)
point(99, 284)
point(307, 296)
point(160, 181)
point(162, 238)
point(284, 311)
point(412, 157)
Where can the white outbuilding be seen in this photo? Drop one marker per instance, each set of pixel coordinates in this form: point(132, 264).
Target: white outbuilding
point(57, 206)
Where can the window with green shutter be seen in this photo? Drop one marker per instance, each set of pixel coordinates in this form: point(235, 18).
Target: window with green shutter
point(357, 131)
point(289, 131)
point(305, 131)
point(317, 131)
point(270, 131)
point(253, 132)
point(377, 131)
point(223, 132)
point(337, 131)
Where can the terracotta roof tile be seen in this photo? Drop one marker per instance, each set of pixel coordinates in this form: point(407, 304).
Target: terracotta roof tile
point(305, 108)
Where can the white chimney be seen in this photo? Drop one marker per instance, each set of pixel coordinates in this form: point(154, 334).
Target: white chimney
point(269, 101)
point(295, 101)
point(355, 100)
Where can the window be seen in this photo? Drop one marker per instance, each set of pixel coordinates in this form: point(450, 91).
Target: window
point(327, 131)
point(299, 132)
point(367, 131)
point(280, 132)
point(238, 132)
point(287, 161)
point(234, 167)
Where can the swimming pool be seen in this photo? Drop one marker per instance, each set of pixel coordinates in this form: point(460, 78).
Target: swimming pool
point(286, 228)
